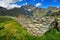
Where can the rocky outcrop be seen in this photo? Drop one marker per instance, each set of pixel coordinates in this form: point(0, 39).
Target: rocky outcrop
point(58, 22)
point(37, 26)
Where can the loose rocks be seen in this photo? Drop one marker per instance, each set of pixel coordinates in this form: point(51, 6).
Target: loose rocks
point(37, 26)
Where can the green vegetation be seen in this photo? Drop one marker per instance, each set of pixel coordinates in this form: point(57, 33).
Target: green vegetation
point(11, 30)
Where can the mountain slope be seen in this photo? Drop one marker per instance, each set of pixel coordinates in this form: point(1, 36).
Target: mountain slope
point(16, 32)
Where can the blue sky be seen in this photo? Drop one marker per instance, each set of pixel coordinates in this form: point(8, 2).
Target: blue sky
point(43, 3)
point(37, 3)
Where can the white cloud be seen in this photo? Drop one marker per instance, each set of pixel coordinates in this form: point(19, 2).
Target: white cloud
point(38, 4)
point(3, 4)
point(57, 6)
point(13, 6)
point(25, 4)
point(6, 3)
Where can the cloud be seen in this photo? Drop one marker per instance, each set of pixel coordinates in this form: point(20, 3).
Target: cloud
point(57, 6)
point(2, 4)
point(25, 4)
point(7, 3)
point(38, 4)
point(13, 6)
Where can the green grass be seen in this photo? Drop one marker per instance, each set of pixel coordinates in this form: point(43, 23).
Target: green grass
point(14, 31)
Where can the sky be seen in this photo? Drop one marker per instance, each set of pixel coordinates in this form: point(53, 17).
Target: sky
point(37, 3)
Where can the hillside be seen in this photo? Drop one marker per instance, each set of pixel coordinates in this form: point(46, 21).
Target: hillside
point(16, 32)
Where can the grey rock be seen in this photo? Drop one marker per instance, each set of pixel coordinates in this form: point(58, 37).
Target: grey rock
point(58, 24)
point(37, 26)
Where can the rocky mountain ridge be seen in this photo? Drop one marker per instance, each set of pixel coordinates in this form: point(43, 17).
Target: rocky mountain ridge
point(28, 10)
